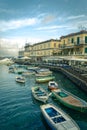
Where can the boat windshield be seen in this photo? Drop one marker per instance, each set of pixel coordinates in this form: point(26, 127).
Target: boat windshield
point(58, 119)
point(52, 112)
point(41, 93)
point(62, 94)
point(20, 78)
point(52, 83)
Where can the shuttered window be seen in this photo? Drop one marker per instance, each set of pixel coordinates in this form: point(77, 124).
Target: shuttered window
point(85, 50)
point(78, 40)
point(85, 39)
point(72, 40)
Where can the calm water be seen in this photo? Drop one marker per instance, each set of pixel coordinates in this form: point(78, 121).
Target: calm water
point(20, 111)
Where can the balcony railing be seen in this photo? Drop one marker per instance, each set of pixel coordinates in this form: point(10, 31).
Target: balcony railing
point(72, 45)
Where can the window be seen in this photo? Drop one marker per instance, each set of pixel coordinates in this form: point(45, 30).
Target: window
point(78, 40)
point(85, 39)
point(59, 45)
point(49, 45)
point(72, 40)
point(69, 40)
point(40, 46)
point(54, 44)
point(64, 41)
point(44, 45)
point(85, 50)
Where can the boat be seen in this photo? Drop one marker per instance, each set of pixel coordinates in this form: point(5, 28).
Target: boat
point(70, 100)
point(44, 79)
point(42, 75)
point(20, 79)
point(32, 68)
point(40, 94)
point(52, 85)
point(57, 119)
point(11, 69)
point(28, 73)
point(44, 71)
point(19, 71)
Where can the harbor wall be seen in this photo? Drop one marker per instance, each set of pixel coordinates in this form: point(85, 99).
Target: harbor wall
point(82, 84)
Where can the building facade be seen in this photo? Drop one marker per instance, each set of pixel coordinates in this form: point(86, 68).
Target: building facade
point(74, 44)
point(43, 49)
point(28, 50)
point(21, 53)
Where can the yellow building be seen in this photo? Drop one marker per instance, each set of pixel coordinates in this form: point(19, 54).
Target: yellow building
point(74, 44)
point(28, 50)
point(43, 49)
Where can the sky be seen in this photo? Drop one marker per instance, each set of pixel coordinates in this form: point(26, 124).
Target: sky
point(32, 21)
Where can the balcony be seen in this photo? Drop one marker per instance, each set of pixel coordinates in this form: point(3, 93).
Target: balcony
point(81, 43)
point(66, 47)
point(72, 45)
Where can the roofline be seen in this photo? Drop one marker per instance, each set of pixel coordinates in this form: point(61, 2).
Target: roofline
point(47, 41)
point(73, 34)
point(27, 45)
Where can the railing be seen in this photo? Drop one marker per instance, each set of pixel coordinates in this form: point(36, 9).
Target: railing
point(72, 45)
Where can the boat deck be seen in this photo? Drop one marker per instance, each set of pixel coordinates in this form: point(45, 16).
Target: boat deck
point(73, 101)
point(55, 116)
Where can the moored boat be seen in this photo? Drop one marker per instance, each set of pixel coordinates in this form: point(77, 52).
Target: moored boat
point(70, 100)
point(52, 85)
point(44, 71)
point(58, 119)
point(44, 79)
point(40, 94)
point(28, 73)
point(20, 79)
point(32, 68)
point(11, 70)
point(42, 75)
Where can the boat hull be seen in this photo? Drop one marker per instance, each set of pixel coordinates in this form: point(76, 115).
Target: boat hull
point(52, 88)
point(20, 80)
point(52, 85)
point(80, 108)
point(38, 94)
point(46, 79)
point(57, 119)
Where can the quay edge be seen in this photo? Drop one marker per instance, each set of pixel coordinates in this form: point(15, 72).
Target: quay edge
point(81, 83)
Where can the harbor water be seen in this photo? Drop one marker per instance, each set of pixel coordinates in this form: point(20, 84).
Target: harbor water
point(20, 111)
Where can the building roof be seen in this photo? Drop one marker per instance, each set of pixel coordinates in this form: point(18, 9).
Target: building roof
point(56, 40)
point(73, 34)
point(29, 45)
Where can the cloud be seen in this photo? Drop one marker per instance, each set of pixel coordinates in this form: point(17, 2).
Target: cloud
point(8, 43)
point(52, 27)
point(75, 17)
point(14, 24)
point(48, 19)
point(19, 42)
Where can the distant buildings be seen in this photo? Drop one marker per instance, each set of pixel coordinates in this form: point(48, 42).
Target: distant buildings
point(71, 45)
